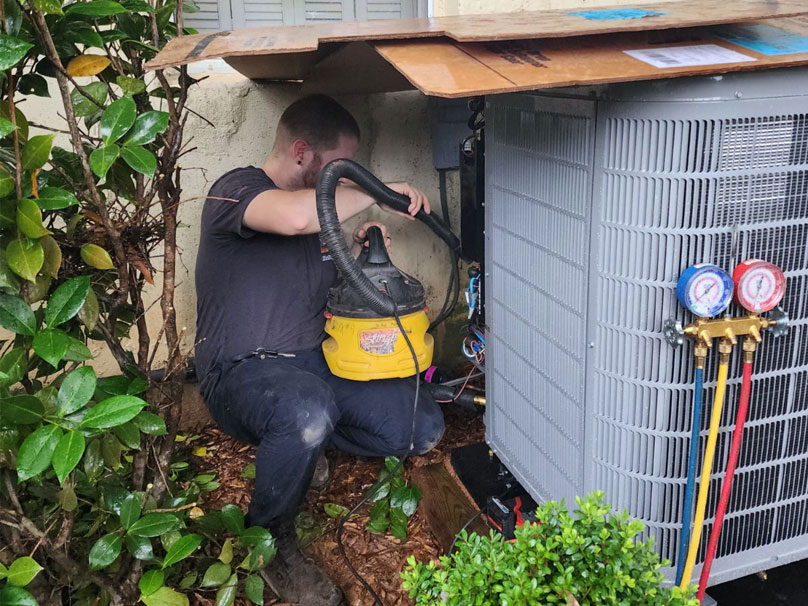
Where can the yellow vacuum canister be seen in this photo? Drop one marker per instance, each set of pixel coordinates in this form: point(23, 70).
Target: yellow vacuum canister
point(364, 346)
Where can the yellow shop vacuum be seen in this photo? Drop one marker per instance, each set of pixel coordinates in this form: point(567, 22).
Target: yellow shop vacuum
point(373, 301)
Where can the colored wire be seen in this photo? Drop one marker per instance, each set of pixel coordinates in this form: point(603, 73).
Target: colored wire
point(692, 461)
point(726, 487)
point(707, 466)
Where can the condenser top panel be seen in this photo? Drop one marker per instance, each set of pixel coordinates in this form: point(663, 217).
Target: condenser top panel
point(443, 56)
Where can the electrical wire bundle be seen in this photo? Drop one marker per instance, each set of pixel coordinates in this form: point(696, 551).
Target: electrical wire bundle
point(474, 346)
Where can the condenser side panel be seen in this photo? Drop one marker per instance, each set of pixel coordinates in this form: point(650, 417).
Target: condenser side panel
point(538, 190)
point(674, 181)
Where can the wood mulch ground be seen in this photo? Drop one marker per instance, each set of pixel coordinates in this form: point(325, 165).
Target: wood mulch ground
point(378, 558)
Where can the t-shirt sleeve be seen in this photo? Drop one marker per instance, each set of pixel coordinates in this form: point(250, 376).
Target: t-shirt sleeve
point(228, 200)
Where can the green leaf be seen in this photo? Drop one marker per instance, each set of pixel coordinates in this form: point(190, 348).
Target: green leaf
point(7, 184)
point(36, 452)
point(146, 128)
point(16, 596)
point(139, 547)
point(216, 574)
point(182, 549)
point(227, 594)
point(254, 588)
point(333, 510)
point(131, 86)
point(101, 159)
point(51, 345)
point(33, 84)
point(118, 118)
point(154, 524)
point(151, 581)
point(25, 258)
point(55, 198)
point(150, 423)
point(67, 497)
point(78, 352)
point(95, 256)
point(68, 453)
point(49, 7)
point(38, 290)
point(130, 511)
point(188, 580)
point(113, 411)
point(140, 160)
point(88, 314)
point(80, 32)
point(97, 8)
point(226, 555)
point(29, 219)
point(248, 473)
point(12, 50)
point(233, 519)
point(82, 105)
point(14, 17)
point(105, 551)
point(22, 121)
point(128, 434)
point(13, 365)
point(22, 571)
point(406, 499)
point(36, 152)
point(53, 256)
point(17, 316)
point(165, 596)
point(379, 517)
point(22, 410)
point(3, 571)
point(255, 535)
point(6, 128)
point(66, 300)
point(398, 524)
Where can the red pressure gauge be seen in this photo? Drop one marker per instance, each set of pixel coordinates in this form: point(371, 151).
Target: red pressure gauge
point(759, 285)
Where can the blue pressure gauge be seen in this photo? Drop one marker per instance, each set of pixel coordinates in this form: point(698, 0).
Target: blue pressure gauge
point(705, 289)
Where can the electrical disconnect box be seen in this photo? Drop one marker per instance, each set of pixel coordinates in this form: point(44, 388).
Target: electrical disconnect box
point(596, 200)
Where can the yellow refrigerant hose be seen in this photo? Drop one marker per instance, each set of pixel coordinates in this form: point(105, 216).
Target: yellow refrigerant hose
point(709, 454)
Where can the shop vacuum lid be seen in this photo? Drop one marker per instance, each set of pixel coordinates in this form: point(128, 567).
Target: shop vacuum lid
point(375, 263)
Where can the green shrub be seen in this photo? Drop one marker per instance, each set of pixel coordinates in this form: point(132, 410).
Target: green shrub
point(590, 558)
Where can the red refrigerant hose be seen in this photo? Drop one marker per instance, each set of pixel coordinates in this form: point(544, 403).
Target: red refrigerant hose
point(726, 488)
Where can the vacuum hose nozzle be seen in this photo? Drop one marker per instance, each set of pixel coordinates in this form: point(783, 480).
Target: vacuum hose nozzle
point(333, 238)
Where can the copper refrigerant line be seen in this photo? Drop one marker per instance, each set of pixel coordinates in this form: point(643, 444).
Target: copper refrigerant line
point(706, 290)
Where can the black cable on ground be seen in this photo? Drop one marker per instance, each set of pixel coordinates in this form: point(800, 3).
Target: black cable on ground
point(341, 527)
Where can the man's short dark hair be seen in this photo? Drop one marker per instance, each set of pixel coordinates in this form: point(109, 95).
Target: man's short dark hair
point(319, 121)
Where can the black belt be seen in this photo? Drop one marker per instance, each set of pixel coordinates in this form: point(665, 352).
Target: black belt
point(262, 354)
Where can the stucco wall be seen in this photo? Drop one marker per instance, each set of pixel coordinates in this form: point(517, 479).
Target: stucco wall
point(481, 7)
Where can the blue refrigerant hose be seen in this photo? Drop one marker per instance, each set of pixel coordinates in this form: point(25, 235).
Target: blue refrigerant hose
point(684, 538)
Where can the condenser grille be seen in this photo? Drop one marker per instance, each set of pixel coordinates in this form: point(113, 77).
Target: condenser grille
point(538, 173)
point(727, 190)
point(593, 209)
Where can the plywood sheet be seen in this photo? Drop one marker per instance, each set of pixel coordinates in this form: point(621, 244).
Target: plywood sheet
point(539, 64)
point(259, 41)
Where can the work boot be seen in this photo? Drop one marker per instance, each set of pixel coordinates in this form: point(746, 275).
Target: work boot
point(296, 579)
point(321, 474)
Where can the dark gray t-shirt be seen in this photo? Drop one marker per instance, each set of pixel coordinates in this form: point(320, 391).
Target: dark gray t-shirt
point(254, 289)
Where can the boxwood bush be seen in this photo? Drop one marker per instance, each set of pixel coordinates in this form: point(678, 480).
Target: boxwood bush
point(590, 557)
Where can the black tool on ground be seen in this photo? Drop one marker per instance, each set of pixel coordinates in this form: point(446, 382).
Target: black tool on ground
point(506, 515)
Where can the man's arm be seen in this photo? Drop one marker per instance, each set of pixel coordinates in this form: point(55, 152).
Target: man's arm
point(294, 213)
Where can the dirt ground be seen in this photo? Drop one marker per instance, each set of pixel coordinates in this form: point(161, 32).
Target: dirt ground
point(378, 558)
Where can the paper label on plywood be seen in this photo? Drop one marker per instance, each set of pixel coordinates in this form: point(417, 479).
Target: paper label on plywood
point(688, 56)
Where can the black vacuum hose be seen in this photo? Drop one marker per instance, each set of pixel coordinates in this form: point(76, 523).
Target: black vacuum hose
point(334, 239)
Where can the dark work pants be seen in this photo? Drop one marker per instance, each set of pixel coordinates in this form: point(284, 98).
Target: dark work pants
point(291, 408)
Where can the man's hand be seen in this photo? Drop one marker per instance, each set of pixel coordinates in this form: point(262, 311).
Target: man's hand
point(417, 200)
point(361, 232)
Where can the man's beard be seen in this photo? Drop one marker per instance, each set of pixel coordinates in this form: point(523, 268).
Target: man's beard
point(308, 180)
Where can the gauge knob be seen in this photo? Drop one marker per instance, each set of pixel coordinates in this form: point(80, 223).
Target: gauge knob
point(781, 320)
point(704, 289)
point(674, 333)
point(759, 285)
